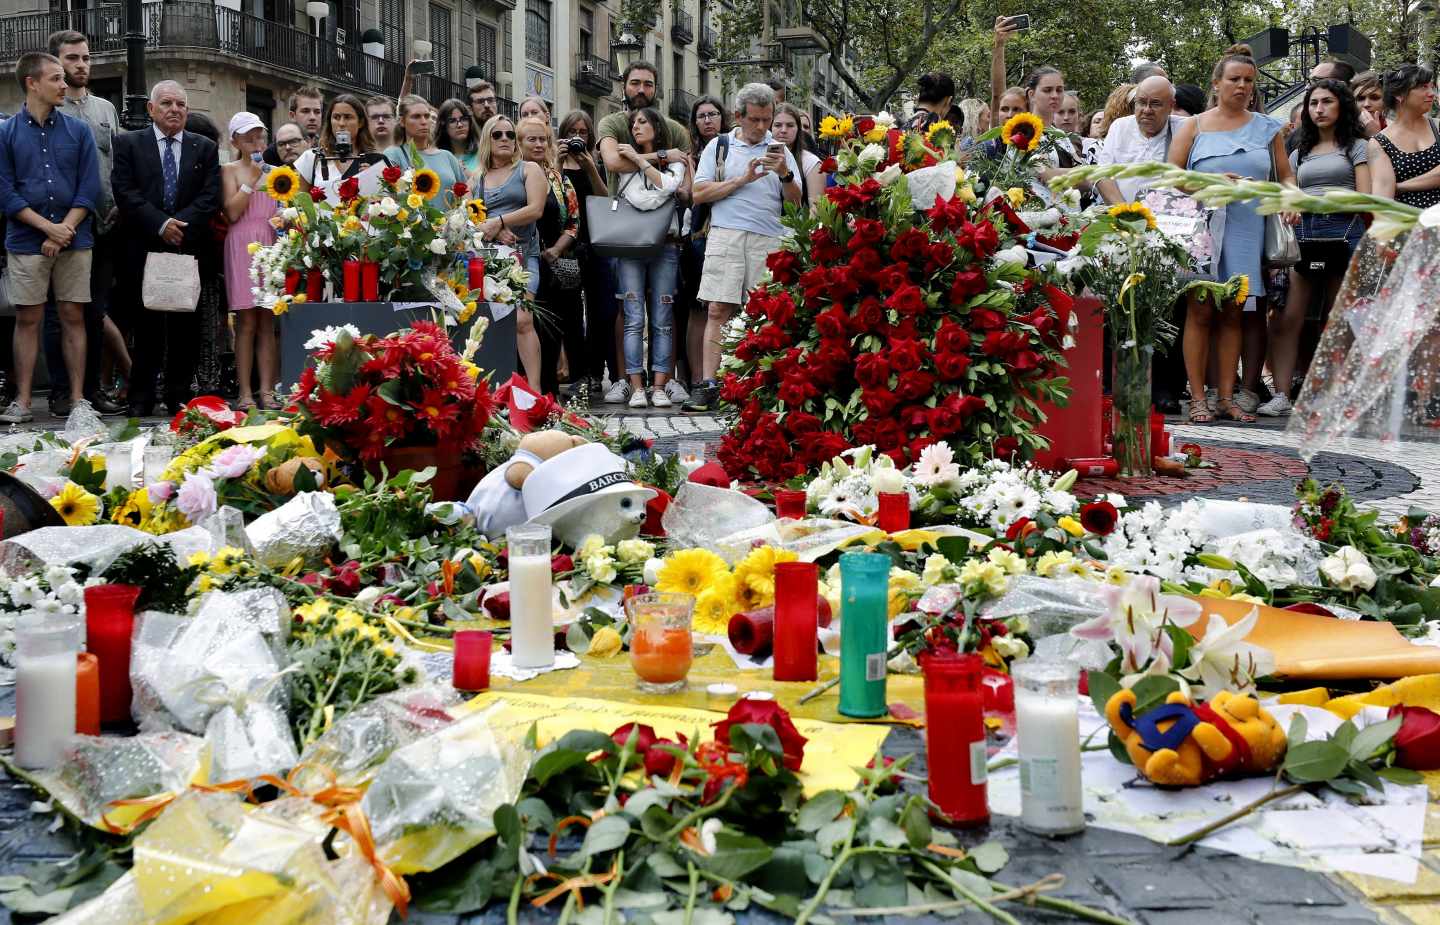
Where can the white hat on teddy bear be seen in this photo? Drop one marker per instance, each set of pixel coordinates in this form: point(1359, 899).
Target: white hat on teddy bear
point(574, 479)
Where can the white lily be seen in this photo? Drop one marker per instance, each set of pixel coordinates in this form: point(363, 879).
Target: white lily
point(1224, 661)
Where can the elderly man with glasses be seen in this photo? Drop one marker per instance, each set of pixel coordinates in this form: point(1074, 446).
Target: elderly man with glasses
point(1141, 138)
point(290, 143)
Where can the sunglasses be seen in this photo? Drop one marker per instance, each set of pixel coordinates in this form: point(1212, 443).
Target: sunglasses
point(500, 133)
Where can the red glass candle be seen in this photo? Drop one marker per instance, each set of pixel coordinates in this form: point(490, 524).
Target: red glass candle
point(109, 625)
point(955, 737)
point(476, 269)
point(797, 621)
point(87, 694)
point(314, 285)
point(292, 281)
point(472, 659)
point(370, 280)
point(351, 269)
point(753, 631)
point(1100, 466)
point(894, 514)
point(999, 691)
point(790, 503)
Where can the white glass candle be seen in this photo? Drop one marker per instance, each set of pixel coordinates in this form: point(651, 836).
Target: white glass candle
point(532, 622)
point(1047, 726)
point(45, 647)
point(691, 455)
point(157, 460)
point(120, 466)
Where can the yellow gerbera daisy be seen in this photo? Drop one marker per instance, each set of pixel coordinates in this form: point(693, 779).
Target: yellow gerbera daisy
point(427, 183)
point(283, 184)
point(755, 575)
point(715, 607)
point(691, 571)
point(1023, 131)
point(1132, 211)
point(76, 506)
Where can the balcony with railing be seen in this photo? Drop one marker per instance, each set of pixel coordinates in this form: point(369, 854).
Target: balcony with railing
point(682, 27)
point(708, 43)
point(681, 102)
point(592, 74)
point(176, 24)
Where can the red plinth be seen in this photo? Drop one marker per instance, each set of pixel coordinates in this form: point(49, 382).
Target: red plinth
point(1074, 431)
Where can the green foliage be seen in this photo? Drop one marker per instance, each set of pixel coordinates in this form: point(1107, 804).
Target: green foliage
point(163, 582)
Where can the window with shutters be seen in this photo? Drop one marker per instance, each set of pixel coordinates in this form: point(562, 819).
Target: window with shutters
point(537, 31)
point(392, 29)
point(677, 66)
point(485, 48)
point(587, 32)
point(440, 39)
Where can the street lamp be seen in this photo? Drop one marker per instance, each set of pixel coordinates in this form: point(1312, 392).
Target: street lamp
point(627, 47)
point(137, 93)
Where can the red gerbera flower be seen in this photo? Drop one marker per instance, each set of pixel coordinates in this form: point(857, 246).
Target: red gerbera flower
point(438, 412)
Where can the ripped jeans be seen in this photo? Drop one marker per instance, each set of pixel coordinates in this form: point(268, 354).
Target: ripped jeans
point(649, 283)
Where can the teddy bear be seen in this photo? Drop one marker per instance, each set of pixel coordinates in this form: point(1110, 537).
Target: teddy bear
point(1185, 744)
point(497, 501)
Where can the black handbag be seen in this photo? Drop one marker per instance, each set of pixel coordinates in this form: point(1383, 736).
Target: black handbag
point(618, 229)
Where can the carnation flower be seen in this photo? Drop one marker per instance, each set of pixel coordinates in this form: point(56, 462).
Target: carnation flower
point(196, 499)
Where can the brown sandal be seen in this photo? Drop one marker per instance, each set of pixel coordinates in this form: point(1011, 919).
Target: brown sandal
point(1233, 412)
point(1200, 413)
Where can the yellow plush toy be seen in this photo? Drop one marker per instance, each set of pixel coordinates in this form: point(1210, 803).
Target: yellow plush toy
point(1184, 744)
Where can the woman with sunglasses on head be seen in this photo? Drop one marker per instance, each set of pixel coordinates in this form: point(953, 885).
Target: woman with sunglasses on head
point(558, 229)
point(459, 134)
point(514, 192)
point(1405, 157)
point(330, 161)
point(416, 137)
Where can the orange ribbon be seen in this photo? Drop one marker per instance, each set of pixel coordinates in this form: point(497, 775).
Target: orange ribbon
point(155, 805)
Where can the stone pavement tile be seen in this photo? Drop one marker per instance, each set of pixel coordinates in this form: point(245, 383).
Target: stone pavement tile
point(1226, 915)
point(1378, 889)
point(1266, 884)
point(1079, 883)
point(1157, 883)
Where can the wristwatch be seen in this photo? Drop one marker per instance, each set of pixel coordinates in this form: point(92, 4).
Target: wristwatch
point(246, 188)
point(788, 178)
point(662, 155)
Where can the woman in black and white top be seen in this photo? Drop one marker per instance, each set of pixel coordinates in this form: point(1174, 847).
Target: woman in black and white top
point(1406, 155)
point(330, 161)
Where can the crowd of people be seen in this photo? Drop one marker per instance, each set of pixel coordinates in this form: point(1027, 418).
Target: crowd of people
point(85, 204)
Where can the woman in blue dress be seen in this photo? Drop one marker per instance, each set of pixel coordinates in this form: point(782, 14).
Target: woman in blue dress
point(1231, 139)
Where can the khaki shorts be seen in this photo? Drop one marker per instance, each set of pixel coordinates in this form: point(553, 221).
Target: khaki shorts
point(29, 277)
point(734, 264)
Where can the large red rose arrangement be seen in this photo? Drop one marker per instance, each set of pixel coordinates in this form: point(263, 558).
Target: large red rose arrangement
point(888, 327)
point(410, 389)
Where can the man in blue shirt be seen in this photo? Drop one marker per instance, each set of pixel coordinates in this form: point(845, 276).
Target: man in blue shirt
point(49, 186)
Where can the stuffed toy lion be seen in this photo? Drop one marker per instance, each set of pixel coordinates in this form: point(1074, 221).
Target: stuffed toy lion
point(1185, 744)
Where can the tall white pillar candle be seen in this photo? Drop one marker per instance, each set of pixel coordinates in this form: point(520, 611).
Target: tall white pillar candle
point(1047, 727)
point(532, 622)
point(45, 648)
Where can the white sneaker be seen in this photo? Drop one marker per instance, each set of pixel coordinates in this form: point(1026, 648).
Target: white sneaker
point(618, 393)
point(1278, 406)
point(658, 399)
point(677, 391)
point(1246, 400)
point(16, 414)
point(637, 399)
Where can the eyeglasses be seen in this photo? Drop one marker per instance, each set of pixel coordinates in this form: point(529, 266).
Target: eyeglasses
point(501, 133)
point(460, 120)
point(706, 116)
point(484, 100)
point(289, 142)
point(1149, 104)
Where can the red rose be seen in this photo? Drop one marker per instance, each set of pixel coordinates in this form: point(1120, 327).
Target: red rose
point(829, 165)
point(1005, 447)
point(887, 434)
point(661, 760)
point(864, 125)
point(316, 193)
point(823, 247)
point(967, 284)
point(832, 323)
point(1019, 528)
point(986, 240)
point(1418, 740)
point(912, 244)
point(1023, 361)
point(1099, 517)
point(891, 278)
point(872, 371)
point(952, 366)
point(914, 385)
point(349, 189)
point(906, 355)
point(865, 264)
point(392, 175)
point(801, 423)
point(950, 415)
point(915, 418)
point(794, 390)
point(767, 713)
point(734, 389)
point(825, 446)
point(498, 606)
point(986, 319)
point(561, 563)
point(907, 300)
point(640, 737)
point(783, 265)
point(869, 316)
point(919, 444)
point(998, 344)
point(878, 402)
point(781, 309)
point(947, 214)
point(868, 233)
point(952, 338)
point(940, 256)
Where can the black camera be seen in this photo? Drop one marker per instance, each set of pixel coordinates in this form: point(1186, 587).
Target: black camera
point(343, 147)
point(574, 146)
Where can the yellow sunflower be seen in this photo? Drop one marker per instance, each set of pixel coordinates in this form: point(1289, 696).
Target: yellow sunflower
point(941, 133)
point(715, 607)
point(691, 571)
point(427, 183)
point(755, 575)
point(1025, 126)
point(135, 509)
point(76, 506)
point(1242, 289)
point(283, 184)
point(1132, 211)
point(475, 208)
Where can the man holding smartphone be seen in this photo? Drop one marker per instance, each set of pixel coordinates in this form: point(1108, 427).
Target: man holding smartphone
point(747, 177)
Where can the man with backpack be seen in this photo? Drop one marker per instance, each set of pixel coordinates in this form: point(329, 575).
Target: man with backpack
point(746, 177)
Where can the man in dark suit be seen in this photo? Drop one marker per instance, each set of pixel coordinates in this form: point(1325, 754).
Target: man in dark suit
point(167, 185)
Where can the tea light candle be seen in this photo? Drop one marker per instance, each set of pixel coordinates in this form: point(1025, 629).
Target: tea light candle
point(532, 622)
point(45, 678)
point(1047, 726)
point(119, 468)
point(691, 456)
point(472, 659)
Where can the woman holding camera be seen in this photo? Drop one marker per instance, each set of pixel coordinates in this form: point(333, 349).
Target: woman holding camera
point(345, 147)
point(651, 283)
point(580, 166)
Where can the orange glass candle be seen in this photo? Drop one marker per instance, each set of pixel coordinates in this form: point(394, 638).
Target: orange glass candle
point(661, 646)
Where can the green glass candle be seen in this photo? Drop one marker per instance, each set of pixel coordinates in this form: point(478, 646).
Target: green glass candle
point(864, 607)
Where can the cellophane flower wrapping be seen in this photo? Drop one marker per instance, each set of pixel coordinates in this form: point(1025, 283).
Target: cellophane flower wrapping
point(97, 546)
point(210, 857)
point(357, 744)
point(98, 771)
point(307, 526)
point(702, 515)
point(220, 674)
